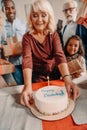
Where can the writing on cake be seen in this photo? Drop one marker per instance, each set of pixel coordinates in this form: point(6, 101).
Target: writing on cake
point(52, 92)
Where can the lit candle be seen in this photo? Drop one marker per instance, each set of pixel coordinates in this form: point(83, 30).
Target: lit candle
point(48, 80)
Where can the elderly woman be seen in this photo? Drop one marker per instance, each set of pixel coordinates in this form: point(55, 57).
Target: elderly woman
point(42, 51)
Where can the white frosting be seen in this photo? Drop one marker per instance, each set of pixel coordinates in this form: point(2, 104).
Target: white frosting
point(51, 99)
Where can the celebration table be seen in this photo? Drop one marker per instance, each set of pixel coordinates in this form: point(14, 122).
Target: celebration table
point(14, 116)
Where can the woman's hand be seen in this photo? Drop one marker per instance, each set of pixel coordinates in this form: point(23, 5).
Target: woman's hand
point(26, 97)
point(27, 94)
point(72, 88)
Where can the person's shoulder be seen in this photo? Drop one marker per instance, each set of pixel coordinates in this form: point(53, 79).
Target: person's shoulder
point(81, 57)
point(20, 25)
point(81, 27)
point(53, 34)
point(27, 35)
point(6, 22)
point(19, 22)
point(56, 34)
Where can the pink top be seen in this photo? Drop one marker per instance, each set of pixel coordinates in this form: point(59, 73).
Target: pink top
point(42, 56)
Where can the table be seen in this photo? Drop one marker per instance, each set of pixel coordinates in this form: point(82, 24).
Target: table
point(63, 124)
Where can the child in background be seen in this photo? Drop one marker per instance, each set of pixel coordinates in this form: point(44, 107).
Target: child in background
point(74, 50)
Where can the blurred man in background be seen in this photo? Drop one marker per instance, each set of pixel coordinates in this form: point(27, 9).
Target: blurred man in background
point(13, 27)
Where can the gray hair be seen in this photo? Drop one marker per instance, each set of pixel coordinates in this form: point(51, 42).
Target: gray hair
point(71, 3)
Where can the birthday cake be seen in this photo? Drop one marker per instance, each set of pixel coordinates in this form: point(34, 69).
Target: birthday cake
point(51, 100)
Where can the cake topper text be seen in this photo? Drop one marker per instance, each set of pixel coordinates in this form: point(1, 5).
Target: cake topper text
point(52, 92)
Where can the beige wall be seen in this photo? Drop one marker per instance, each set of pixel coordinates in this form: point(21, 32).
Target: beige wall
point(57, 6)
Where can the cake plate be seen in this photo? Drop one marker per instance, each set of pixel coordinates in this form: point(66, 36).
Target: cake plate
point(58, 116)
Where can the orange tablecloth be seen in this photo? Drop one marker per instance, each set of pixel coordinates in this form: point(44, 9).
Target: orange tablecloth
point(63, 124)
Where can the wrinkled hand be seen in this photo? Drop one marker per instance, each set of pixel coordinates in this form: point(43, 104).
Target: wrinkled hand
point(26, 97)
point(72, 89)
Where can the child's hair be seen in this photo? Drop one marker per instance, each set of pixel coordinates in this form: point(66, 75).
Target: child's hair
point(80, 50)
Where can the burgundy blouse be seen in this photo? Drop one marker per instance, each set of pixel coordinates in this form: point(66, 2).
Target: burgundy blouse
point(42, 56)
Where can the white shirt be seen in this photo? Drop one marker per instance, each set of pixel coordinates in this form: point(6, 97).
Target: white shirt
point(69, 31)
point(18, 29)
